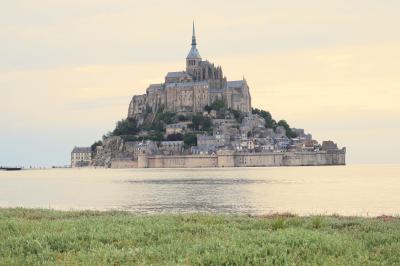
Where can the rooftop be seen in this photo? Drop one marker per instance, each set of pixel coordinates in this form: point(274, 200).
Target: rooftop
point(82, 150)
point(235, 84)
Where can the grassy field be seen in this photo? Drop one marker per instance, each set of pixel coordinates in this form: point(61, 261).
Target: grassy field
point(45, 237)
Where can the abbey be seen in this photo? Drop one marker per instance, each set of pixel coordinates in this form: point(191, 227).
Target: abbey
point(196, 118)
point(201, 84)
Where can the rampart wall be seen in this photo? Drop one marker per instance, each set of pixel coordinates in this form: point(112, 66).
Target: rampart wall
point(231, 159)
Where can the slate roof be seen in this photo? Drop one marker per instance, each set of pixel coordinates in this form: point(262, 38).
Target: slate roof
point(193, 53)
point(186, 84)
point(235, 84)
point(82, 150)
point(175, 74)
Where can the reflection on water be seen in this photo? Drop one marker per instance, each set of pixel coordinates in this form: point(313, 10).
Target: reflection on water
point(197, 181)
point(347, 190)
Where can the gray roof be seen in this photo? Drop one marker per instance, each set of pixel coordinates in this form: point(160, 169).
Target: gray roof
point(187, 84)
point(193, 53)
point(205, 137)
point(155, 86)
point(175, 142)
point(215, 90)
point(235, 84)
point(82, 150)
point(175, 74)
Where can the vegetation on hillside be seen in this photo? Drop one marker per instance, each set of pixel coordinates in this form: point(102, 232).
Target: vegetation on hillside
point(271, 123)
point(155, 128)
point(289, 132)
point(154, 125)
point(189, 140)
point(201, 123)
point(125, 127)
point(44, 237)
point(95, 145)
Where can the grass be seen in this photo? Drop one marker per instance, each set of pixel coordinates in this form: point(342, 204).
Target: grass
point(46, 237)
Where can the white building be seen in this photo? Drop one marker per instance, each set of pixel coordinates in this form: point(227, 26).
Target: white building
point(81, 156)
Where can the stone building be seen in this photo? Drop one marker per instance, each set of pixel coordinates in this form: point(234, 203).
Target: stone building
point(171, 147)
point(81, 156)
point(177, 128)
point(201, 84)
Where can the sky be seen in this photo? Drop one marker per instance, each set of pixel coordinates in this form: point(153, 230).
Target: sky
point(69, 68)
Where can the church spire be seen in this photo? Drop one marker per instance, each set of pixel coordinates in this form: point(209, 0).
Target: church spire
point(194, 53)
point(193, 36)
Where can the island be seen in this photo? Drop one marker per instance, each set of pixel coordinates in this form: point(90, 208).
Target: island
point(198, 118)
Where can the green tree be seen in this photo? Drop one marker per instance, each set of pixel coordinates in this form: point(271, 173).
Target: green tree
point(199, 122)
point(289, 132)
point(238, 115)
point(189, 140)
point(182, 118)
point(207, 108)
point(175, 137)
point(166, 117)
point(218, 105)
point(95, 145)
point(269, 121)
point(125, 127)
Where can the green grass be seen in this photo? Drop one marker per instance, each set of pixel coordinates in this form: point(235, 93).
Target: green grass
point(45, 237)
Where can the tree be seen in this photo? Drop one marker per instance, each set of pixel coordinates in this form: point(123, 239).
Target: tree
point(218, 105)
point(175, 137)
point(207, 108)
point(182, 118)
point(269, 122)
point(199, 122)
point(155, 136)
point(125, 127)
point(95, 145)
point(189, 140)
point(238, 115)
point(289, 132)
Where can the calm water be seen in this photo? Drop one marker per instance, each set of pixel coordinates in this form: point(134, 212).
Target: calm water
point(347, 190)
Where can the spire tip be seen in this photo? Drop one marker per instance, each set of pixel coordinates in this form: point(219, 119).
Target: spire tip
point(193, 36)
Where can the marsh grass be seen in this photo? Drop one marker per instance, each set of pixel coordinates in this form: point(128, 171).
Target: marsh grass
point(45, 237)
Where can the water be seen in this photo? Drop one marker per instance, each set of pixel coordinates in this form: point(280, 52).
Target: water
point(367, 190)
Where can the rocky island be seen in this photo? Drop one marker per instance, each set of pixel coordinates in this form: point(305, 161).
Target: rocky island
point(197, 118)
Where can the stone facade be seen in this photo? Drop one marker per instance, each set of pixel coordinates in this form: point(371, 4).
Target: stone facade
point(201, 84)
point(81, 157)
point(230, 158)
point(236, 139)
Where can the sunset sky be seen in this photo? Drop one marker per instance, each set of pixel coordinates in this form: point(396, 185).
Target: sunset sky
point(69, 68)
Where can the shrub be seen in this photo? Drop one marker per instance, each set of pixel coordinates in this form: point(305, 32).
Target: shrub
point(175, 137)
point(190, 140)
point(125, 127)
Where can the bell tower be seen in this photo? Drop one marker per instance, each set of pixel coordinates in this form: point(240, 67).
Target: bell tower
point(193, 59)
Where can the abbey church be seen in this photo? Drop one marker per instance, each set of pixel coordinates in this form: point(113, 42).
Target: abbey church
point(201, 84)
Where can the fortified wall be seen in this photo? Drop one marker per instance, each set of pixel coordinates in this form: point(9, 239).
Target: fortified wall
point(232, 159)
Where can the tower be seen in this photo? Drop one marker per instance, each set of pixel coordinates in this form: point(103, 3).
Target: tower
point(193, 59)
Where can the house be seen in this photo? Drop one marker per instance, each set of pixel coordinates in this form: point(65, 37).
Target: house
point(171, 146)
point(178, 128)
point(81, 156)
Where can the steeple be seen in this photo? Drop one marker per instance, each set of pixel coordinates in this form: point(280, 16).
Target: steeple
point(194, 37)
point(193, 53)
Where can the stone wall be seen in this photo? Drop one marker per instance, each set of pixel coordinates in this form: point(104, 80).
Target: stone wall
point(124, 163)
point(231, 159)
point(182, 161)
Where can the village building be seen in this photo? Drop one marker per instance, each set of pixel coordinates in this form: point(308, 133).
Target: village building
point(81, 156)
